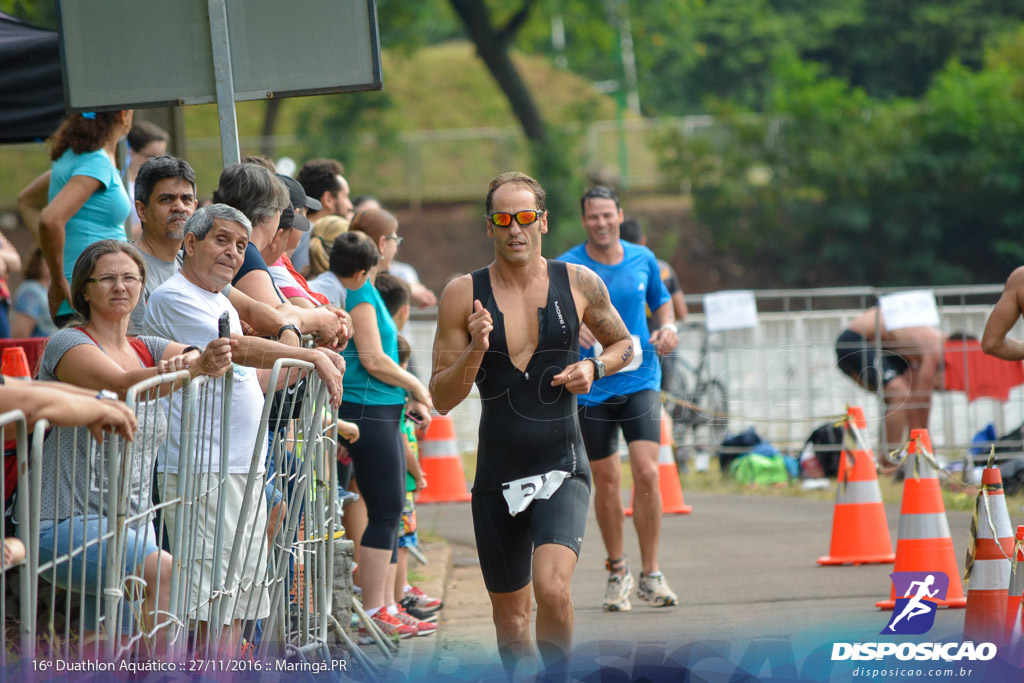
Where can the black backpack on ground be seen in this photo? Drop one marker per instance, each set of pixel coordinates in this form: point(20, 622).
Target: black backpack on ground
point(827, 441)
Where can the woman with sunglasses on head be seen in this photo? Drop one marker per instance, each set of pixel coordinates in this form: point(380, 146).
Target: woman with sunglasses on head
point(97, 354)
point(87, 200)
point(377, 390)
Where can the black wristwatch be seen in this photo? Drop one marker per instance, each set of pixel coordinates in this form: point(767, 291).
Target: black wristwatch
point(293, 328)
point(599, 369)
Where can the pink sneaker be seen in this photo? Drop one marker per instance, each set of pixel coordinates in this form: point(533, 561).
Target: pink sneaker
point(391, 626)
point(423, 628)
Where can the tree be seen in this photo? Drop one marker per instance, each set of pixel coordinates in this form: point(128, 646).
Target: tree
point(837, 187)
point(492, 44)
point(41, 14)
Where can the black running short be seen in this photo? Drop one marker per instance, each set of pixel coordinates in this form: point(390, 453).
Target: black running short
point(639, 416)
point(505, 543)
point(378, 459)
point(857, 358)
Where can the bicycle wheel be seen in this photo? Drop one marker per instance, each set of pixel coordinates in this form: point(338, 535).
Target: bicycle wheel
point(673, 383)
point(713, 411)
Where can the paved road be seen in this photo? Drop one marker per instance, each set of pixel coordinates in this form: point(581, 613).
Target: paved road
point(743, 566)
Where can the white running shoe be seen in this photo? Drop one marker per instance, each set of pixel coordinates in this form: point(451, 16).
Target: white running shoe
point(654, 589)
point(616, 594)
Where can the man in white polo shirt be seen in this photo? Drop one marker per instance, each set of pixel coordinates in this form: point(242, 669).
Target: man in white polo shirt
point(186, 308)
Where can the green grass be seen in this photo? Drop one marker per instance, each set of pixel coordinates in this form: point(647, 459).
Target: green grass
point(892, 492)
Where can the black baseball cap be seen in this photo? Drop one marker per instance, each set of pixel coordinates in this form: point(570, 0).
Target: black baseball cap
point(297, 196)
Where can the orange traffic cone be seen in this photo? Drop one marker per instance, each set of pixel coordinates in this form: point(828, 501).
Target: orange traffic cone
point(1016, 581)
point(15, 363)
point(668, 476)
point(442, 466)
point(988, 563)
point(860, 532)
point(924, 543)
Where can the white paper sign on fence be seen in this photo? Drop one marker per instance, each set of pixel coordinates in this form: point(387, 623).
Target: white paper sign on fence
point(736, 310)
point(909, 309)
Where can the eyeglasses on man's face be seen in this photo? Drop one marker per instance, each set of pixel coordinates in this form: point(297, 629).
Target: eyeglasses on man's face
point(396, 239)
point(503, 219)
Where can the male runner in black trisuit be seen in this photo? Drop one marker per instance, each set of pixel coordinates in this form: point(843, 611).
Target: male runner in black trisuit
point(513, 329)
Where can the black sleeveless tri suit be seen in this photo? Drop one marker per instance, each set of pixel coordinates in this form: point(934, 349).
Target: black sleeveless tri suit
point(528, 428)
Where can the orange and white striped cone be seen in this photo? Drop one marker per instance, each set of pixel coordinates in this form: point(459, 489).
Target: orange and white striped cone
point(668, 475)
point(442, 466)
point(860, 532)
point(987, 574)
point(1016, 591)
point(924, 543)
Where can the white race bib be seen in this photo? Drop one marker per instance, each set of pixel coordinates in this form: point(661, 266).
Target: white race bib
point(638, 354)
point(521, 492)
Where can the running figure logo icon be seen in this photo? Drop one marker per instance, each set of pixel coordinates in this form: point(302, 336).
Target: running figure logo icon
point(914, 613)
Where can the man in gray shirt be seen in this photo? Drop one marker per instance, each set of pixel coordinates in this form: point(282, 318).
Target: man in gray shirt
point(165, 198)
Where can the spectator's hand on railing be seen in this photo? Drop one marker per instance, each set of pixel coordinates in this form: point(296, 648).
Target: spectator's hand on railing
point(104, 414)
point(14, 551)
point(330, 374)
point(215, 360)
point(334, 357)
point(182, 361)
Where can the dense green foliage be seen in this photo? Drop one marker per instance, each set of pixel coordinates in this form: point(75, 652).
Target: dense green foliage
point(688, 51)
point(836, 187)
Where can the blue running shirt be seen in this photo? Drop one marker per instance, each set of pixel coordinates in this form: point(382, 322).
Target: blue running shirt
point(634, 284)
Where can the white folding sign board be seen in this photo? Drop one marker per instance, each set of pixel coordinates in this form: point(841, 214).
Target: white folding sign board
point(909, 309)
point(735, 310)
point(121, 54)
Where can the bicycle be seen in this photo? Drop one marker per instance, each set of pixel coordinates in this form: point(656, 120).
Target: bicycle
point(697, 403)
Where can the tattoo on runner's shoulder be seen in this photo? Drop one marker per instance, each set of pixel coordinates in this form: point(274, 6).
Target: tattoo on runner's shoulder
point(604, 321)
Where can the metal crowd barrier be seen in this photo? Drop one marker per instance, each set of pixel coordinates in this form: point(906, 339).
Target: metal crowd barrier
point(101, 501)
point(781, 377)
point(15, 419)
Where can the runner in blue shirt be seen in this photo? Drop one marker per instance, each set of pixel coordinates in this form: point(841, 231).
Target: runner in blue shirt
point(628, 400)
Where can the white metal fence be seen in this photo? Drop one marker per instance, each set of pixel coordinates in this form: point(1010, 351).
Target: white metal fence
point(104, 593)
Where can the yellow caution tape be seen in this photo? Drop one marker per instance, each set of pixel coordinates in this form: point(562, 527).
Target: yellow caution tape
point(972, 544)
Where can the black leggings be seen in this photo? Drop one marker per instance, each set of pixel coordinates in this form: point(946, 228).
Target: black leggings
point(379, 462)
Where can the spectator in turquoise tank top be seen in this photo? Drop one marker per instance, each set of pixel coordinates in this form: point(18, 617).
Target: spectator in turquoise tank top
point(377, 391)
point(87, 198)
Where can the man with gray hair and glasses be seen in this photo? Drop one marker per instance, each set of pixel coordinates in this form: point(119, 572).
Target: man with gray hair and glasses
point(186, 308)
